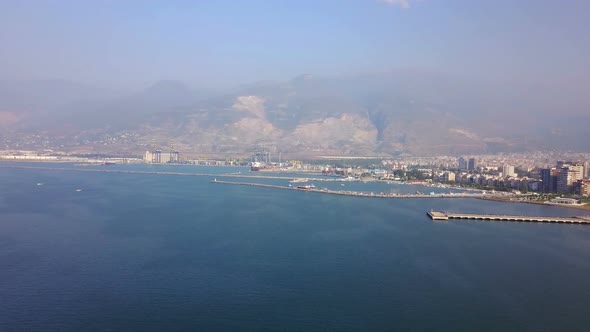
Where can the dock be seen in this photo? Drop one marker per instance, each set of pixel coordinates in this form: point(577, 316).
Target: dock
point(439, 215)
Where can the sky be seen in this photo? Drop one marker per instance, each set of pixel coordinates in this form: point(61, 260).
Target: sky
point(131, 44)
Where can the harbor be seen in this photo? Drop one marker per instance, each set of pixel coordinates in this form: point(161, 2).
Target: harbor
point(443, 216)
point(304, 184)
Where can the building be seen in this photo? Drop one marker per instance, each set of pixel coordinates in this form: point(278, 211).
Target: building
point(566, 179)
point(507, 171)
point(554, 175)
point(534, 185)
point(545, 174)
point(462, 164)
point(561, 164)
point(576, 166)
point(578, 170)
point(174, 156)
point(164, 158)
point(157, 157)
point(565, 201)
point(449, 177)
point(586, 169)
point(148, 157)
point(549, 180)
point(379, 172)
point(582, 187)
point(471, 164)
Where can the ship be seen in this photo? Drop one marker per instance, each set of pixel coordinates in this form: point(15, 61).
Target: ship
point(338, 172)
point(306, 187)
point(256, 166)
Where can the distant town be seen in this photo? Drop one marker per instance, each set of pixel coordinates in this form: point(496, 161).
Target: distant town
point(566, 174)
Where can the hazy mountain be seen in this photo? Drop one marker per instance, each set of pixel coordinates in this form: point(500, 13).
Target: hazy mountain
point(23, 102)
point(42, 95)
point(395, 112)
point(119, 113)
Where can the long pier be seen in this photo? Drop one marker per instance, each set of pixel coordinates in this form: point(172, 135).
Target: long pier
point(221, 175)
point(439, 215)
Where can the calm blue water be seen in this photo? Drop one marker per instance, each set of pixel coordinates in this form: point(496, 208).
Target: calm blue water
point(151, 253)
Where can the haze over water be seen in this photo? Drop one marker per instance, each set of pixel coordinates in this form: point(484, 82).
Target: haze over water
point(153, 253)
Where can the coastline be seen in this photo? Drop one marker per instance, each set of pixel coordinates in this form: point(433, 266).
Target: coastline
point(585, 207)
point(498, 198)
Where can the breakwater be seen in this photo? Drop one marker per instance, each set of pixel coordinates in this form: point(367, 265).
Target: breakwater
point(233, 175)
point(351, 193)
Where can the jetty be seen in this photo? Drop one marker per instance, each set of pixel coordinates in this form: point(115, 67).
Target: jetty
point(439, 215)
point(347, 192)
point(119, 171)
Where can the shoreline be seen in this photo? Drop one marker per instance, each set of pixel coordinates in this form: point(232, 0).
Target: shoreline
point(505, 200)
point(489, 197)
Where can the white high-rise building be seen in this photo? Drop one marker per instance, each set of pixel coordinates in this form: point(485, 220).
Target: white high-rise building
point(578, 171)
point(148, 157)
point(449, 177)
point(507, 171)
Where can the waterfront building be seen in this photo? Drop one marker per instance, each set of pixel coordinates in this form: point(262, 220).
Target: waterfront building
point(565, 201)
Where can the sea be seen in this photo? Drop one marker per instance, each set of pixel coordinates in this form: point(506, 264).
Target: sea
point(107, 251)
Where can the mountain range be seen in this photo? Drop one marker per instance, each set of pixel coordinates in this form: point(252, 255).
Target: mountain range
point(408, 112)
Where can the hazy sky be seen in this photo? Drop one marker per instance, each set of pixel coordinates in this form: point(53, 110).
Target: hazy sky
point(130, 44)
